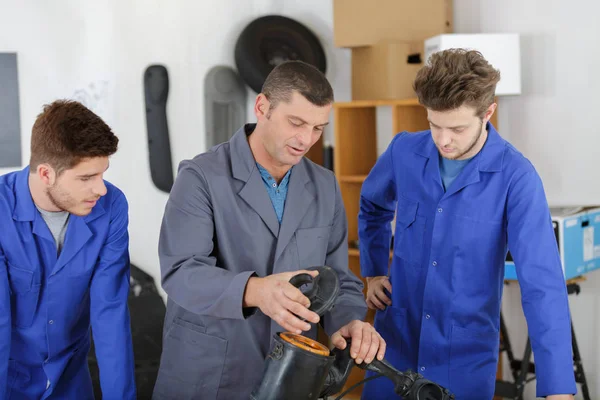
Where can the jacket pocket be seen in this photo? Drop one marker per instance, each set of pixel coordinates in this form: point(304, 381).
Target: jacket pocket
point(192, 363)
point(473, 354)
point(312, 246)
point(19, 378)
point(409, 232)
point(24, 296)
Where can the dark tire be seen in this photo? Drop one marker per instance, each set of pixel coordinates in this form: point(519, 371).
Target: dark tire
point(270, 40)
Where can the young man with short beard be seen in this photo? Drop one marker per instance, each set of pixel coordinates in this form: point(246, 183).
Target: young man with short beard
point(64, 264)
point(462, 196)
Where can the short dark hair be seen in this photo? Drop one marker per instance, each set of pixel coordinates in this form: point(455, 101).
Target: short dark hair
point(299, 76)
point(65, 132)
point(456, 77)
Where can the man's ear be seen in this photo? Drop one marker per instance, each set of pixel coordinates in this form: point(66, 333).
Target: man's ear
point(261, 107)
point(490, 111)
point(46, 174)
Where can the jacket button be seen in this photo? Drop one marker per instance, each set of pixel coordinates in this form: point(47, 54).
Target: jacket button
point(51, 322)
point(434, 263)
point(440, 209)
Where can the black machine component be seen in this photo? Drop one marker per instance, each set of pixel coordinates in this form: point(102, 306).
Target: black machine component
point(270, 40)
point(156, 92)
point(293, 372)
point(300, 368)
point(322, 291)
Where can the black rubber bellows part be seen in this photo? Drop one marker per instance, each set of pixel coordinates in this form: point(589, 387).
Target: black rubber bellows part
point(322, 291)
point(270, 40)
point(292, 373)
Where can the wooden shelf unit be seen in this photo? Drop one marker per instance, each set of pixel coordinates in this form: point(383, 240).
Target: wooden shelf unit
point(354, 154)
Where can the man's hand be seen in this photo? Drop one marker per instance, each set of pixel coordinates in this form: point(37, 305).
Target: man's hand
point(366, 342)
point(560, 397)
point(376, 296)
point(277, 298)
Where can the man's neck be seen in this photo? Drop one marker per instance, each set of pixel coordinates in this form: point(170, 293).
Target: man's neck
point(262, 157)
point(478, 146)
point(39, 196)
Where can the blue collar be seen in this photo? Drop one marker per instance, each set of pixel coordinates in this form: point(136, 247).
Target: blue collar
point(270, 180)
point(490, 158)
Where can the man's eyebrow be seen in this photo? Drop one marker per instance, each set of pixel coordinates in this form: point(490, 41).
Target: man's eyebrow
point(92, 175)
point(451, 127)
point(304, 122)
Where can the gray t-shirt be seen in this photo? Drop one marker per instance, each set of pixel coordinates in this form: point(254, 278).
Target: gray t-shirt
point(57, 223)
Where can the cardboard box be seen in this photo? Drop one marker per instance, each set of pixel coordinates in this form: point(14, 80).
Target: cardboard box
point(502, 50)
point(383, 71)
point(577, 233)
point(364, 23)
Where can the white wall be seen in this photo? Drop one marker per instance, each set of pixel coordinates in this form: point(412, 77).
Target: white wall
point(97, 52)
point(554, 123)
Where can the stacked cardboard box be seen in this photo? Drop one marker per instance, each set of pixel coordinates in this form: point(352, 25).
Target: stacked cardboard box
point(386, 38)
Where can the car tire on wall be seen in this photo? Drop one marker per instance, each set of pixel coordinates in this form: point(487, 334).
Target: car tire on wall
point(270, 40)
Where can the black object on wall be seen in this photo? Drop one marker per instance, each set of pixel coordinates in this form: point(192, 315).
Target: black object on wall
point(147, 311)
point(156, 92)
point(270, 40)
point(224, 104)
point(10, 116)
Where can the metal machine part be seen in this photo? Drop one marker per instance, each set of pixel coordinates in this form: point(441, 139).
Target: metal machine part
point(322, 291)
point(300, 368)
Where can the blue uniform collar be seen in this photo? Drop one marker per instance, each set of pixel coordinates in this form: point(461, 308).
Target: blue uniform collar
point(25, 209)
point(489, 159)
point(266, 176)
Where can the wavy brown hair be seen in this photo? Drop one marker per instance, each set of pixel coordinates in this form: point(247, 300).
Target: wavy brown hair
point(456, 77)
point(65, 133)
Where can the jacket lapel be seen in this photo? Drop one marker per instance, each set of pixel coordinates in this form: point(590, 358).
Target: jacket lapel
point(489, 159)
point(40, 228)
point(298, 200)
point(428, 150)
point(78, 234)
point(253, 192)
point(468, 176)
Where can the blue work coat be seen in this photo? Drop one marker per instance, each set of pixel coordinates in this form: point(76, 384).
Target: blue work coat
point(47, 303)
point(447, 268)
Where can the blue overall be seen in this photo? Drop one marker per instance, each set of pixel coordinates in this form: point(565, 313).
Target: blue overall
point(49, 303)
point(447, 268)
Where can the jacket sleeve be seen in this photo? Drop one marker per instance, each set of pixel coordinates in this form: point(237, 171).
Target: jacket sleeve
point(350, 304)
point(188, 267)
point(532, 243)
point(5, 326)
point(109, 311)
point(376, 212)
